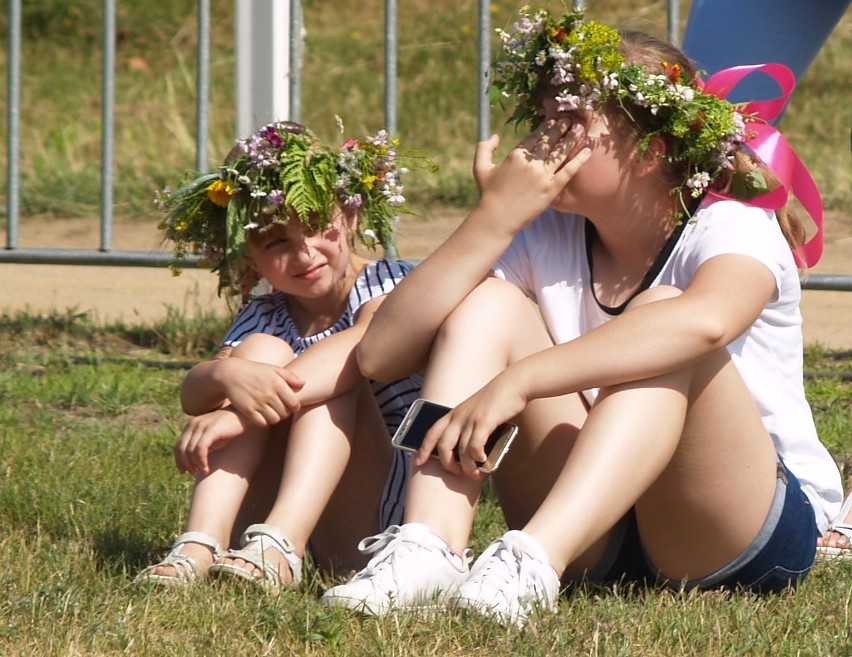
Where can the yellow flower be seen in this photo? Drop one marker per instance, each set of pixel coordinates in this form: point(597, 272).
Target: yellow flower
point(220, 193)
point(369, 181)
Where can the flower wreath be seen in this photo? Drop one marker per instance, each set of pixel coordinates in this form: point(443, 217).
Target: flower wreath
point(283, 172)
point(583, 61)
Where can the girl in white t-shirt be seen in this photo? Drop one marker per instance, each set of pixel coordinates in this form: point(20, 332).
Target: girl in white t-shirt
point(665, 435)
point(285, 390)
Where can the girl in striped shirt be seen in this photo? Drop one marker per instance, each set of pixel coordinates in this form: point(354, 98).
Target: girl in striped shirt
point(285, 387)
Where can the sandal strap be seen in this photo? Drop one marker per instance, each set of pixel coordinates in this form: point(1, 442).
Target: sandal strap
point(840, 525)
point(280, 542)
point(186, 568)
point(201, 538)
point(255, 540)
point(844, 528)
point(845, 508)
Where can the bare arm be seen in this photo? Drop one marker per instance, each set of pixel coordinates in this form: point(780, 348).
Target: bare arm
point(329, 368)
point(257, 384)
point(267, 385)
point(659, 337)
point(646, 341)
point(513, 194)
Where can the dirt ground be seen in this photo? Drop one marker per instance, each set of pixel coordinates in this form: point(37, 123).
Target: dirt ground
point(141, 294)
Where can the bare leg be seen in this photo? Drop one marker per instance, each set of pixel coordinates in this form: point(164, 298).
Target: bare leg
point(494, 326)
point(353, 510)
point(321, 480)
point(264, 484)
point(217, 496)
point(217, 507)
point(688, 449)
point(263, 487)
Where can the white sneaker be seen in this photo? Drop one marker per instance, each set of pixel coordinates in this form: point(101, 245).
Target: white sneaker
point(412, 569)
point(511, 580)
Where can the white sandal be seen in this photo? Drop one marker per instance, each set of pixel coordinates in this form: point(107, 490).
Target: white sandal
point(255, 540)
point(186, 568)
point(839, 526)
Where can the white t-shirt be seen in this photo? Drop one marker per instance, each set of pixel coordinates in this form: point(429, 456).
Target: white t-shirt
point(548, 261)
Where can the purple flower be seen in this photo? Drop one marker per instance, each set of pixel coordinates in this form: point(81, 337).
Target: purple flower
point(275, 198)
point(352, 201)
point(273, 137)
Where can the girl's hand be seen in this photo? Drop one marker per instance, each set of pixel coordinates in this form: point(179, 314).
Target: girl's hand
point(468, 426)
point(263, 393)
point(524, 184)
point(204, 434)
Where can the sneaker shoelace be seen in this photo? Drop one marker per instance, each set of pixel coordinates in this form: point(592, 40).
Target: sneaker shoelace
point(510, 574)
point(386, 547)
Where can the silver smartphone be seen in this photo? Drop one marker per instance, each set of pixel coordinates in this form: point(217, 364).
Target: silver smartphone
point(423, 414)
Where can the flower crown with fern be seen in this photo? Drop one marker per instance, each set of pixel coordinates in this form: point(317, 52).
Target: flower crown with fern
point(279, 173)
point(582, 60)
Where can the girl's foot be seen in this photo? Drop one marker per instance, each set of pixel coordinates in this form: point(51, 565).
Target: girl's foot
point(510, 581)
point(836, 543)
point(267, 557)
point(412, 569)
point(189, 560)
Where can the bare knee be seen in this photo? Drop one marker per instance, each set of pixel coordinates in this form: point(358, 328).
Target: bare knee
point(264, 348)
point(498, 315)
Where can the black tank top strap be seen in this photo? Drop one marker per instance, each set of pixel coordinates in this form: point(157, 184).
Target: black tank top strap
point(650, 275)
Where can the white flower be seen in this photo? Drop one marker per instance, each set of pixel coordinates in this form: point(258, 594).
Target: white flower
point(739, 127)
point(561, 75)
point(347, 159)
point(395, 199)
point(610, 81)
point(698, 182)
point(567, 102)
point(380, 139)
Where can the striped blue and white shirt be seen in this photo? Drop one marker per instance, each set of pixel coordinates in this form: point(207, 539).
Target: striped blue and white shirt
point(269, 314)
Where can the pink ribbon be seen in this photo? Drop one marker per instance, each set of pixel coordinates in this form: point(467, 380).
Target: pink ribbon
point(771, 147)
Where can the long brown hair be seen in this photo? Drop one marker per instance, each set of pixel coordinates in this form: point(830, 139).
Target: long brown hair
point(651, 52)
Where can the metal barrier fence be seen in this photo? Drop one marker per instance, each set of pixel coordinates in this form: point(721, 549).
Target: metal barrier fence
point(106, 255)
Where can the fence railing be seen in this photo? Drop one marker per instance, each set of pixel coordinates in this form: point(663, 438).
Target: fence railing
point(105, 255)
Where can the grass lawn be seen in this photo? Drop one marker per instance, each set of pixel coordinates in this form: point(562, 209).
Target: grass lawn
point(89, 495)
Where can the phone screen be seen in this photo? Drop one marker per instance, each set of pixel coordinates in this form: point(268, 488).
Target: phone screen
point(421, 418)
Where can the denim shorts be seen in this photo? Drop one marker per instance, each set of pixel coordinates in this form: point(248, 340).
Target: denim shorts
point(779, 557)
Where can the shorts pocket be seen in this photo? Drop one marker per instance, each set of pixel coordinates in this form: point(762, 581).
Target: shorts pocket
point(777, 579)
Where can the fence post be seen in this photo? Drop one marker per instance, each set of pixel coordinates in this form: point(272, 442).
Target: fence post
point(108, 125)
point(202, 110)
point(14, 122)
point(263, 63)
point(483, 130)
